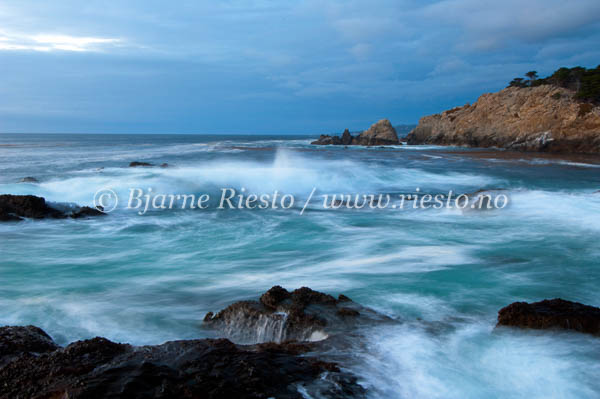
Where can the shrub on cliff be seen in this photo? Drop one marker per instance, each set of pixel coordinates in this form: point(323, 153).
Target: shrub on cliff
point(586, 82)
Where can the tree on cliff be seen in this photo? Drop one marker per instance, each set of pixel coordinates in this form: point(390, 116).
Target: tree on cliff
point(585, 82)
point(517, 82)
point(532, 75)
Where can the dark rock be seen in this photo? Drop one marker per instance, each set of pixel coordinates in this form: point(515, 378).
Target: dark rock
point(552, 314)
point(165, 165)
point(346, 137)
point(345, 312)
point(86, 211)
point(273, 297)
point(18, 340)
point(99, 368)
point(28, 206)
point(343, 298)
point(280, 315)
point(8, 217)
point(136, 164)
point(17, 207)
point(29, 179)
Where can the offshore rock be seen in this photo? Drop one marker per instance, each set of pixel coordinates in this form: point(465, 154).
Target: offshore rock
point(380, 133)
point(136, 164)
point(17, 207)
point(208, 368)
point(545, 118)
point(552, 314)
point(280, 315)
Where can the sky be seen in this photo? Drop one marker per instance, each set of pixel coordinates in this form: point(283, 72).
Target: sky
point(272, 67)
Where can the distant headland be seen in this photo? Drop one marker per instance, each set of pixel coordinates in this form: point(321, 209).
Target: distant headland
point(559, 113)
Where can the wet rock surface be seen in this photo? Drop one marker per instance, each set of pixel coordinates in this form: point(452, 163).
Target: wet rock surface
point(33, 366)
point(19, 340)
point(209, 368)
point(280, 315)
point(551, 314)
point(380, 133)
point(17, 207)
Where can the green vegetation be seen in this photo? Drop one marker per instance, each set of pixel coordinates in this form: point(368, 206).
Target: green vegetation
point(585, 82)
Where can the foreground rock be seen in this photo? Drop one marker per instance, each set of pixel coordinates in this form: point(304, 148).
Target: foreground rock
point(280, 315)
point(33, 366)
point(17, 207)
point(380, 133)
point(544, 118)
point(552, 314)
point(15, 341)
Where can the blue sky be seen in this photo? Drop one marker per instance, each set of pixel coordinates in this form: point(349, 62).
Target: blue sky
point(271, 67)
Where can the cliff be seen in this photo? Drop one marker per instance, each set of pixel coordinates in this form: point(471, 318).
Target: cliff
point(543, 118)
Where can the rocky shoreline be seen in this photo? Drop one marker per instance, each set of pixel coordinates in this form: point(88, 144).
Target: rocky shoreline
point(284, 361)
point(546, 118)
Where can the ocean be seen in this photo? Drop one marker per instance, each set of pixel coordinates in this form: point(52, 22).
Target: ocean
point(443, 273)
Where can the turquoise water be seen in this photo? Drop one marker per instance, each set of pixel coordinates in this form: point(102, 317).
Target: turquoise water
point(444, 272)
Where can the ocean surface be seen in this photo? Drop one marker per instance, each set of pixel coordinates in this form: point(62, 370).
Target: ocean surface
point(444, 273)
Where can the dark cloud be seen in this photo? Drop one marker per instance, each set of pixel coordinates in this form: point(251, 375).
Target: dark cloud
point(271, 66)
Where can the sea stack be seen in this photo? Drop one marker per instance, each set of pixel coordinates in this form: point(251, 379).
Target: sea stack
point(380, 133)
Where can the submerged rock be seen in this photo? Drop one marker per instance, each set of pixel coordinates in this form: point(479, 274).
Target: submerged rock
point(17, 207)
point(208, 368)
point(86, 211)
point(280, 315)
point(380, 133)
point(552, 314)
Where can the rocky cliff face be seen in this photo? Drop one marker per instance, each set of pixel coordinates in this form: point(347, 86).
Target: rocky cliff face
point(544, 118)
point(380, 133)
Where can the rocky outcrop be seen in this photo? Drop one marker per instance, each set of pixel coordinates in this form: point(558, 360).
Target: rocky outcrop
point(544, 118)
point(380, 133)
point(17, 207)
point(551, 314)
point(208, 368)
point(33, 366)
point(280, 315)
point(15, 341)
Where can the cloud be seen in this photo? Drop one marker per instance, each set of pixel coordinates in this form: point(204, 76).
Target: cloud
point(277, 65)
point(489, 25)
point(54, 42)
